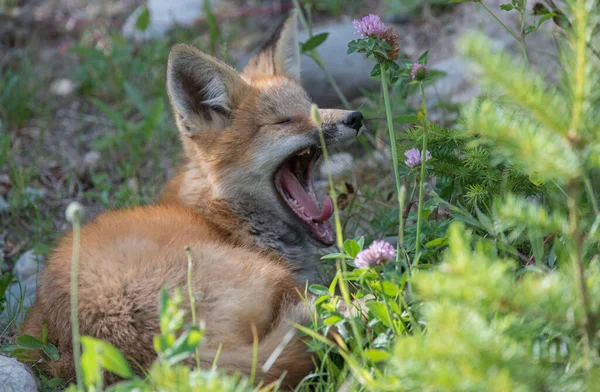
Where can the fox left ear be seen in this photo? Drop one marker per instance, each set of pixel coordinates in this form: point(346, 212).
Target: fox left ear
point(280, 55)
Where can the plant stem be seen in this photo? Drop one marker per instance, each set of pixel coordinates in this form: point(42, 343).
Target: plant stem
point(520, 39)
point(188, 252)
point(501, 23)
point(422, 179)
point(332, 193)
point(340, 264)
point(522, 34)
point(300, 14)
point(387, 307)
point(401, 204)
point(317, 58)
point(393, 147)
point(589, 319)
point(74, 304)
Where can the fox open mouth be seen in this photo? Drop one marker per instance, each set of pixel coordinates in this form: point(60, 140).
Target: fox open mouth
point(293, 181)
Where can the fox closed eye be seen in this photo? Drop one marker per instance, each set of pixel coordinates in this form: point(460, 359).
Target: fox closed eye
point(283, 121)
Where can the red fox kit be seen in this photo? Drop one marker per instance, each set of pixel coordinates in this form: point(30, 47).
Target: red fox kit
point(243, 201)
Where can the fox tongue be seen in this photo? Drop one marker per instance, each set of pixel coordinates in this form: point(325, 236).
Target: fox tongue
point(307, 202)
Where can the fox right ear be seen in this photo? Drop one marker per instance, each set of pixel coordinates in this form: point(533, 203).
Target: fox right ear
point(203, 90)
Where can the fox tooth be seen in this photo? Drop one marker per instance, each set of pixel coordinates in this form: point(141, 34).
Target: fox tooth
point(306, 151)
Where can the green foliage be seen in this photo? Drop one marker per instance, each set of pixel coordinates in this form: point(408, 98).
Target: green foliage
point(467, 172)
point(18, 88)
point(487, 330)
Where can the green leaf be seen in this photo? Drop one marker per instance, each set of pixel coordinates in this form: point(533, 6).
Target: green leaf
point(153, 118)
point(7, 348)
point(537, 244)
point(351, 248)
point(377, 355)
point(111, 113)
point(321, 299)
point(44, 337)
point(530, 29)
point(545, 18)
point(184, 346)
point(318, 289)
point(51, 351)
point(378, 310)
point(506, 7)
point(143, 20)
point(135, 96)
point(90, 363)
point(110, 357)
point(423, 58)
point(361, 241)
point(332, 320)
point(333, 256)
point(313, 42)
point(29, 342)
point(388, 288)
point(376, 71)
point(406, 119)
point(437, 242)
point(352, 46)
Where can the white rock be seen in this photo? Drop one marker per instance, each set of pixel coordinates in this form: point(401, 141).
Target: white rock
point(62, 87)
point(27, 266)
point(338, 164)
point(91, 159)
point(164, 15)
point(15, 376)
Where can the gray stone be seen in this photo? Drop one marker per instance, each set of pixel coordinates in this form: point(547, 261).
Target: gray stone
point(164, 15)
point(27, 266)
point(15, 376)
point(351, 72)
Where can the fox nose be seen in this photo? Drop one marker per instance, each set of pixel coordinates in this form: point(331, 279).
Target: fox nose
point(354, 120)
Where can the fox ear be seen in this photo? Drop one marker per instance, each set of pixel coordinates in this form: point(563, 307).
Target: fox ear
point(203, 90)
point(280, 55)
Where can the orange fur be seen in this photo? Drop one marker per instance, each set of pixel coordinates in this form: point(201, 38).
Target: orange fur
point(247, 249)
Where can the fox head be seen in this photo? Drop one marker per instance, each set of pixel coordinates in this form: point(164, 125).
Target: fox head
point(251, 139)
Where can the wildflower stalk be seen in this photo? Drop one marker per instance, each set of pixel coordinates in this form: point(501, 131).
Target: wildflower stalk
point(340, 265)
point(314, 54)
point(521, 39)
point(74, 215)
point(390, 124)
point(387, 307)
point(317, 58)
point(188, 252)
point(522, 34)
point(422, 178)
point(400, 245)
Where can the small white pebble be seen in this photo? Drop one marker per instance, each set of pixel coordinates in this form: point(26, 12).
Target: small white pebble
point(62, 87)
